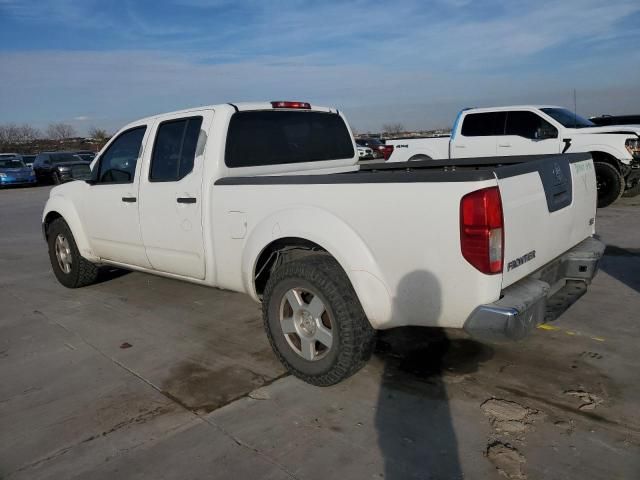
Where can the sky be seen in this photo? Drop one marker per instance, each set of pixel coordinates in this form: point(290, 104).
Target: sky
point(107, 62)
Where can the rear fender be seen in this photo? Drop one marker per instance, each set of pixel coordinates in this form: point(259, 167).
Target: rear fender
point(338, 239)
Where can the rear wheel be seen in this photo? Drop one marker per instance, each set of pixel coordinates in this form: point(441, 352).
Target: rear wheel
point(315, 322)
point(610, 184)
point(69, 267)
point(419, 157)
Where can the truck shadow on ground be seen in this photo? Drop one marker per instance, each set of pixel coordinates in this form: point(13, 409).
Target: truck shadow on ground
point(416, 435)
point(106, 274)
point(623, 264)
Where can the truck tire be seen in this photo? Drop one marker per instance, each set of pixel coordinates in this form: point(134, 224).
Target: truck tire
point(315, 323)
point(419, 157)
point(69, 267)
point(610, 184)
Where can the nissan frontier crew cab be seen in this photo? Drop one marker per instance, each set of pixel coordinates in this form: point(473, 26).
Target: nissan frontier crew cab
point(533, 130)
point(268, 199)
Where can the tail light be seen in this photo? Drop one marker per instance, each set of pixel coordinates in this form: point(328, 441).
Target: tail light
point(387, 150)
point(482, 230)
point(286, 104)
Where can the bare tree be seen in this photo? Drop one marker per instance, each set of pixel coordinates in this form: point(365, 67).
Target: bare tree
point(9, 133)
point(27, 133)
point(98, 134)
point(393, 128)
point(60, 131)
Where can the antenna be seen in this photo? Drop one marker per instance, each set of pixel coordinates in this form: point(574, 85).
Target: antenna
point(575, 110)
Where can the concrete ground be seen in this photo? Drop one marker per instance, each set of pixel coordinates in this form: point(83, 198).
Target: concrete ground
point(145, 377)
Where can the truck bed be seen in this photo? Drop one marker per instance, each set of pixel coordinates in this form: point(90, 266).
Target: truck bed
point(378, 212)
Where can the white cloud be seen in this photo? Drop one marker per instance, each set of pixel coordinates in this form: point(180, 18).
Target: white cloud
point(112, 88)
point(415, 62)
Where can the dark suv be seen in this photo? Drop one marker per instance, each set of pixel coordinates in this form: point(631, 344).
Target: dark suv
point(605, 120)
point(60, 167)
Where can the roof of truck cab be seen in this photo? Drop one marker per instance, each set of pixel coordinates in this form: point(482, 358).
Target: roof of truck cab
point(510, 107)
point(239, 106)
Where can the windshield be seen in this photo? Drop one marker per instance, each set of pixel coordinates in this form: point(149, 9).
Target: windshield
point(11, 163)
point(63, 157)
point(567, 118)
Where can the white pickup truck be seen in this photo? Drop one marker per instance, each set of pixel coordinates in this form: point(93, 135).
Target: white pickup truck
point(534, 130)
point(268, 199)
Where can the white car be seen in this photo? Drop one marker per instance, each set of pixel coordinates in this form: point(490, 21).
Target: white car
point(268, 199)
point(534, 130)
point(364, 153)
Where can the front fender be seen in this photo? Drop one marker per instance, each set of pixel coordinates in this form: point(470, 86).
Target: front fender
point(65, 208)
point(620, 154)
point(338, 239)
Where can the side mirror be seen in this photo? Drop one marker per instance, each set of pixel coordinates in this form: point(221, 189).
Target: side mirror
point(543, 133)
point(93, 179)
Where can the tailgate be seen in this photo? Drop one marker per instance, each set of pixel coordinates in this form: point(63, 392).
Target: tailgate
point(549, 206)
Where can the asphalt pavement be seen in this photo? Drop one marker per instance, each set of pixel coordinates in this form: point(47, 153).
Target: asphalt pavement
point(146, 377)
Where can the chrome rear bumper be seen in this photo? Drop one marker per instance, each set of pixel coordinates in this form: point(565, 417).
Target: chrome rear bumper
point(538, 298)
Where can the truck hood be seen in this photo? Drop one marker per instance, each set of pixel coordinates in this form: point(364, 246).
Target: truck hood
point(608, 129)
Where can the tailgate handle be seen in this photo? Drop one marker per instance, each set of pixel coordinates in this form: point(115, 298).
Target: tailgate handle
point(129, 199)
point(186, 200)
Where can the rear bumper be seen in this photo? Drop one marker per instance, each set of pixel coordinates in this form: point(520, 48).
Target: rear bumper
point(17, 181)
point(538, 298)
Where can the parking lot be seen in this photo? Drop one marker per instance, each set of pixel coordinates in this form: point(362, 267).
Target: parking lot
point(146, 377)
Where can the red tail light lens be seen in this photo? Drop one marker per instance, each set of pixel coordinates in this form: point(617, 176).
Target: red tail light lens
point(387, 150)
point(285, 104)
point(482, 230)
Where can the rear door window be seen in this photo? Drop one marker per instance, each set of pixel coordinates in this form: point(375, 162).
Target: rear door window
point(279, 137)
point(175, 149)
point(483, 124)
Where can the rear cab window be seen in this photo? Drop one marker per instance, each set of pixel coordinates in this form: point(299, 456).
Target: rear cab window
point(483, 124)
point(258, 138)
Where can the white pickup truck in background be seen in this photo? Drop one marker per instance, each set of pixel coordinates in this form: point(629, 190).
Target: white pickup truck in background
point(268, 199)
point(535, 130)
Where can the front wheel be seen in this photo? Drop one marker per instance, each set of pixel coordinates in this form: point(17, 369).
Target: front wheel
point(69, 267)
point(610, 184)
point(315, 322)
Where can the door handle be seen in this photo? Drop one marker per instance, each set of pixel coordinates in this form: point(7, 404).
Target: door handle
point(504, 144)
point(129, 199)
point(186, 200)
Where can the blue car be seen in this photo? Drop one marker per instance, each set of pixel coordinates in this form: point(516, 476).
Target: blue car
point(13, 171)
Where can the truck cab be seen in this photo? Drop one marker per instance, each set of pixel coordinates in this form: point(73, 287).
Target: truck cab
point(537, 130)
